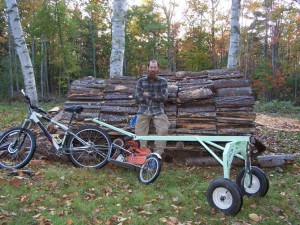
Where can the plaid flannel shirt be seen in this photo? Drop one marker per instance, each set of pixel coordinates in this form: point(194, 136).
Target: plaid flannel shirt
point(158, 94)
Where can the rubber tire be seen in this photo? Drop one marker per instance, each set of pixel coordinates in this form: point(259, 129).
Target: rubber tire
point(224, 195)
point(90, 160)
point(153, 172)
point(259, 179)
point(4, 144)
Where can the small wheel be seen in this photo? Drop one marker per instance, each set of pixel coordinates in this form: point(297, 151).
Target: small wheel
point(150, 170)
point(17, 147)
point(259, 184)
point(224, 195)
point(95, 153)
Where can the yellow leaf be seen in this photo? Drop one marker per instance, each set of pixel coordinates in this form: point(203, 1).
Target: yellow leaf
point(255, 217)
point(163, 220)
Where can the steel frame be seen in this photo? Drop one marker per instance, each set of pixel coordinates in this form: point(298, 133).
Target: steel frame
point(236, 146)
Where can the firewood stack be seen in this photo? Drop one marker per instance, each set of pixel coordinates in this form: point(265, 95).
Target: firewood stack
point(214, 102)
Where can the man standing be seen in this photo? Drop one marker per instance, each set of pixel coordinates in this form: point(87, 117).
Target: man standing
point(151, 92)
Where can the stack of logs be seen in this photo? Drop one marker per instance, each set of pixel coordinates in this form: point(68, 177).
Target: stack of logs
point(213, 102)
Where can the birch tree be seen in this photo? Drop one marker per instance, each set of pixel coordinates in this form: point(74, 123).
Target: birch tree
point(22, 50)
point(118, 38)
point(233, 54)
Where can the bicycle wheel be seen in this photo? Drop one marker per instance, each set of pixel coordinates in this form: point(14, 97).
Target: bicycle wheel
point(93, 153)
point(17, 147)
point(150, 170)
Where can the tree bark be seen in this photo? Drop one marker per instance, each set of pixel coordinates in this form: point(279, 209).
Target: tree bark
point(233, 53)
point(22, 50)
point(118, 38)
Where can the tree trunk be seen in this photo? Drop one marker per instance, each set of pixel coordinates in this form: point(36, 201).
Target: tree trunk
point(118, 38)
point(21, 48)
point(62, 45)
point(233, 53)
point(92, 31)
point(42, 71)
point(11, 86)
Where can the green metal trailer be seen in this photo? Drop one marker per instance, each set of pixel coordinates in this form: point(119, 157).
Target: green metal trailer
point(222, 194)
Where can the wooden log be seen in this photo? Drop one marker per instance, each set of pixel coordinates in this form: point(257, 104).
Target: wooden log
point(184, 74)
point(236, 116)
point(275, 160)
point(192, 123)
point(193, 82)
point(195, 109)
point(230, 83)
point(210, 115)
point(194, 94)
point(114, 96)
point(236, 101)
point(236, 131)
point(236, 109)
point(73, 97)
point(118, 109)
point(224, 74)
point(226, 92)
point(119, 88)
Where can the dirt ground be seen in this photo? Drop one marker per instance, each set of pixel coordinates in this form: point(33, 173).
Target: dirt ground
point(278, 122)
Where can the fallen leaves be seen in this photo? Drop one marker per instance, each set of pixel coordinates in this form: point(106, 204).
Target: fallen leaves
point(16, 182)
point(169, 220)
point(279, 123)
point(254, 217)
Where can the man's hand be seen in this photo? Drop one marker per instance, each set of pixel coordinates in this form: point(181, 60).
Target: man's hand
point(146, 94)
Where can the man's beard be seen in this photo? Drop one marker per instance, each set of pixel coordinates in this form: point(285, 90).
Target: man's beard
point(152, 75)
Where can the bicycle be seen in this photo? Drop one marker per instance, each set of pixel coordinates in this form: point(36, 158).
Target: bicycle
point(87, 147)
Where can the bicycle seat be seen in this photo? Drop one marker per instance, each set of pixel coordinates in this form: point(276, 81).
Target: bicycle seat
point(76, 108)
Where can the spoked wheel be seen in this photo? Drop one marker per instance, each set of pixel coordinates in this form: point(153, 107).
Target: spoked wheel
point(150, 170)
point(259, 185)
point(224, 195)
point(89, 148)
point(17, 147)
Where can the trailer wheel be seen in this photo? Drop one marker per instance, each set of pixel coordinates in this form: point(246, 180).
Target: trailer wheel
point(224, 195)
point(259, 185)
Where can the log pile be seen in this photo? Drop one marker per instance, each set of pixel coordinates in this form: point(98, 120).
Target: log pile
point(214, 102)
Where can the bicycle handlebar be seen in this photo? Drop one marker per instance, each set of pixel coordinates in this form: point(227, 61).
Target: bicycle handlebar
point(35, 108)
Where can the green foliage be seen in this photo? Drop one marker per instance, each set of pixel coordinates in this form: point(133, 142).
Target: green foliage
point(13, 114)
point(278, 107)
point(145, 39)
point(77, 41)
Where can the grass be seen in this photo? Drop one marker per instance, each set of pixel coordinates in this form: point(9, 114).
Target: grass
point(59, 193)
point(285, 108)
point(62, 194)
point(13, 114)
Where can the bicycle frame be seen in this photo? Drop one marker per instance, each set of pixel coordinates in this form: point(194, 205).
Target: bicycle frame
point(34, 117)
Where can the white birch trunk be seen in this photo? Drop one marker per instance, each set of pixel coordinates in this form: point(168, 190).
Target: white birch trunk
point(22, 50)
point(118, 38)
point(233, 54)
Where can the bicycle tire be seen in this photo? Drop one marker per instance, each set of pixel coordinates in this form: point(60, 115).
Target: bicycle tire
point(150, 170)
point(93, 156)
point(18, 155)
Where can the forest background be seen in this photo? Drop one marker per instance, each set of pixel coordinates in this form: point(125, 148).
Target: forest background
point(69, 40)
